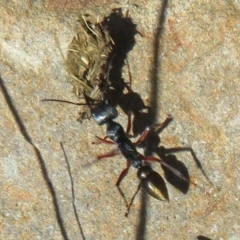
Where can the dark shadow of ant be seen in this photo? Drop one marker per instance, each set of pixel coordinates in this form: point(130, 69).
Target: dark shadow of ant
point(122, 30)
point(201, 237)
point(151, 145)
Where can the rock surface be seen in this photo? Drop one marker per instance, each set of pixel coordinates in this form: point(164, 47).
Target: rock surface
point(185, 62)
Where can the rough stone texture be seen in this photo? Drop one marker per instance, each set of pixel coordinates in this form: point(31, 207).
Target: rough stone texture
point(185, 63)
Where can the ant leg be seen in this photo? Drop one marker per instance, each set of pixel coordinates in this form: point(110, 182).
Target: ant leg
point(122, 175)
point(131, 202)
point(108, 155)
point(143, 136)
point(160, 126)
point(129, 125)
point(196, 160)
point(175, 171)
point(156, 127)
point(104, 140)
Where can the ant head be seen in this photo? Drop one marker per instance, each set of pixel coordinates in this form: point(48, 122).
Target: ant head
point(104, 112)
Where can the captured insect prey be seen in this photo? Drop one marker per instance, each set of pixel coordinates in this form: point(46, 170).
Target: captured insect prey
point(87, 58)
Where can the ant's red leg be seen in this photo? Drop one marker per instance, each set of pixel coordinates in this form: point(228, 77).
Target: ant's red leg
point(108, 155)
point(129, 125)
point(160, 126)
point(131, 202)
point(174, 170)
point(104, 140)
point(122, 175)
point(143, 136)
point(156, 127)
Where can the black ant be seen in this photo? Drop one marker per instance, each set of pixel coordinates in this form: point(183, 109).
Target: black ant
point(104, 112)
point(152, 182)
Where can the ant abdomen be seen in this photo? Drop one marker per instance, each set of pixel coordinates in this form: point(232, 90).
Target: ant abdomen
point(153, 183)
